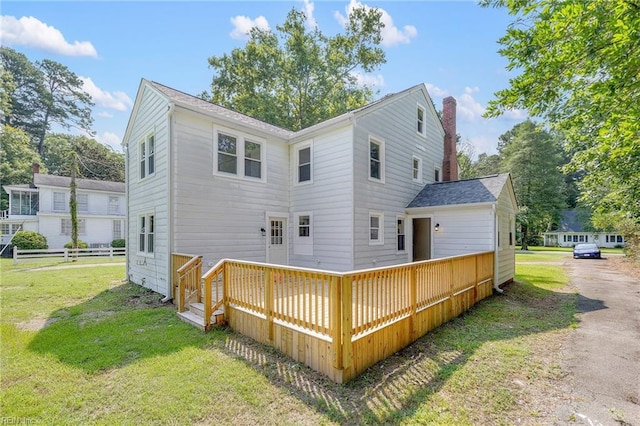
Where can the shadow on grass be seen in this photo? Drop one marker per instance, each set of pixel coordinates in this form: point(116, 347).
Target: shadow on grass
point(394, 389)
point(116, 327)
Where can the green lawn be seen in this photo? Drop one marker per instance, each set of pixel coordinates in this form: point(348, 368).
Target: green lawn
point(80, 346)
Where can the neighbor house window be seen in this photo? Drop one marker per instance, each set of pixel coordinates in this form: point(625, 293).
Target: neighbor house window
point(238, 156)
point(117, 229)
point(400, 234)
point(5, 229)
point(146, 229)
point(376, 230)
point(619, 239)
point(114, 205)
point(421, 120)
point(303, 163)
point(59, 202)
point(376, 160)
point(436, 175)
point(417, 169)
point(147, 156)
point(24, 203)
point(65, 227)
point(83, 202)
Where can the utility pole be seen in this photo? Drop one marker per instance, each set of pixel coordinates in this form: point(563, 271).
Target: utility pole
point(73, 202)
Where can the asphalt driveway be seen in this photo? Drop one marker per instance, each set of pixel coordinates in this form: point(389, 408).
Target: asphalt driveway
point(602, 356)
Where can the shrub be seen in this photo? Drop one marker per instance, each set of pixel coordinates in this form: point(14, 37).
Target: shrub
point(81, 245)
point(119, 243)
point(29, 240)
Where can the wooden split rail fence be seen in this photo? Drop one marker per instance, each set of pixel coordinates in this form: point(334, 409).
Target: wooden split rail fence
point(336, 323)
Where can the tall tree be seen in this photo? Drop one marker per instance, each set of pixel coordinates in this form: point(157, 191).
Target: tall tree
point(533, 156)
point(487, 165)
point(579, 68)
point(296, 77)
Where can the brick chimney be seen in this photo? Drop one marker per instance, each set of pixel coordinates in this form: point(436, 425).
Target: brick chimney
point(450, 162)
point(36, 168)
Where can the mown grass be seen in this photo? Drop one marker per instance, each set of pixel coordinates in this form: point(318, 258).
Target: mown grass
point(112, 354)
point(570, 249)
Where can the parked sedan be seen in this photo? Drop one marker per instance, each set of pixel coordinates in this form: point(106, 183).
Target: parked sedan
point(586, 250)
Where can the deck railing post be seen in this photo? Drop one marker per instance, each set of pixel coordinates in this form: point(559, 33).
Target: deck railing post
point(207, 302)
point(335, 291)
point(413, 296)
point(347, 312)
point(268, 302)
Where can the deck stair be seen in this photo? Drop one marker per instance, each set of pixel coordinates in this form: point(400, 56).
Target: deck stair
point(195, 315)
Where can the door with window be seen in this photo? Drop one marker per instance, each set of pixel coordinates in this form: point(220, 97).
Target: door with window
point(277, 240)
point(421, 239)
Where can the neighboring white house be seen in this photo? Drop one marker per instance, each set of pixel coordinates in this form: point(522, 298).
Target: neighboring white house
point(206, 180)
point(43, 207)
point(572, 231)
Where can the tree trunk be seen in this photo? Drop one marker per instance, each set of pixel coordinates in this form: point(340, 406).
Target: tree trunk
point(525, 236)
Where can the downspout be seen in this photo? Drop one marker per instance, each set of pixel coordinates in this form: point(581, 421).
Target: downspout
point(496, 287)
point(125, 148)
point(169, 275)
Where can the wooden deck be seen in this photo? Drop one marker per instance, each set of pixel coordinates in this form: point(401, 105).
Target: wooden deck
point(337, 323)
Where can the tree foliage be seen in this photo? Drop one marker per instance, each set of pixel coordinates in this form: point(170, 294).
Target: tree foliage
point(41, 94)
point(579, 68)
point(296, 77)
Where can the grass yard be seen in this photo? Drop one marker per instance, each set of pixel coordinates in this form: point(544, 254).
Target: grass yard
point(80, 346)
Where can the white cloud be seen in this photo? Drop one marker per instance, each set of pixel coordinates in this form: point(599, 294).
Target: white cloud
point(308, 11)
point(468, 108)
point(436, 91)
point(391, 34)
point(110, 139)
point(242, 26)
point(104, 114)
point(516, 114)
point(368, 79)
point(119, 101)
point(31, 32)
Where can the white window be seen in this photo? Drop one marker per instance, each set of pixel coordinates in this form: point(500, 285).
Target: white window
point(422, 113)
point(417, 169)
point(24, 203)
point(65, 227)
point(376, 228)
point(147, 156)
point(114, 205)
point(117, 229)
point(59, 202)
point(83, 202)
point(146, 230)
point(237, 156)
point(376, 160)
point(303, 237)
point(303, 163)
point(5, 229)
point(400, 233)
point(436, 174)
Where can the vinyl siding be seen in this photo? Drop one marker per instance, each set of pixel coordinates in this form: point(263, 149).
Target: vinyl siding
point(395, 124)
point(330, 200)
point(149, 195)
point(464, 229)
point(505, 210)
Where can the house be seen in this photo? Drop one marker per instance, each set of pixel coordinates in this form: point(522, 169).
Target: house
point(349, 193)
point(43, 206)
point(572, 230)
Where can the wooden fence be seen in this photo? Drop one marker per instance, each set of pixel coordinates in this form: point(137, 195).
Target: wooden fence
point(342, 323)
point(67, 254)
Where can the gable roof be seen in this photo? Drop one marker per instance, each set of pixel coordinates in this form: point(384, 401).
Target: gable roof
point(88, 184)
point(469, 191)
point(572, 221)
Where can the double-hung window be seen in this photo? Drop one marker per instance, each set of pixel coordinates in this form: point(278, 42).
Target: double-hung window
point(400, 234)
point(146, 231)
point(303, 236)
point(303, 163)
point(376, 160)
point(117, 229)
point(227, 154)
point(376, 228)
point(59, 202)
point(83, 203)
point(147, 156)
point(239, 156)
point(252, 159)
point(421, 116)
point(416, 172)
point(65, 227)
point(114, 205)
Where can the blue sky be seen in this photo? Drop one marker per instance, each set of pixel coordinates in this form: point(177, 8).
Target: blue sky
point(449, 45)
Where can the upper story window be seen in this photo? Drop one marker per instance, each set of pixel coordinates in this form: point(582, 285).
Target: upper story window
point(421, 116)
point(303, 163)
point(59, 202)
point(231, 149)
point(436, 175)
point(24, 203)
point(417, 169)
point(147, 156)
point(114, 205)
point(83, 203)
point(376, 160)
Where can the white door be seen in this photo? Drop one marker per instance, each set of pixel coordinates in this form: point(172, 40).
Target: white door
point(277, 240)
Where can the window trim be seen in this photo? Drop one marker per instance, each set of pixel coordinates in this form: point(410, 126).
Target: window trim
point(296, 172)
point(110, 205)
point(380, 240)
point(438, 170)
point(149, 217)
point(302, 245)
point(417, 179)
point(422, 133)
point(381, 160)
point(146, 158)
point(64, 201)
point(240, 155)
point(82, 226)
point(404, 233)
point(78, 196)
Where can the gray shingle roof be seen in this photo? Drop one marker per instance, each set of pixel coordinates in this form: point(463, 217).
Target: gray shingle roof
point(573, 221)
point(197, 103)
point(480, 190)
point(65, 182)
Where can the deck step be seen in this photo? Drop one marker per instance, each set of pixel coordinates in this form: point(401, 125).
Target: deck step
point(193, 319)
point(197, 308)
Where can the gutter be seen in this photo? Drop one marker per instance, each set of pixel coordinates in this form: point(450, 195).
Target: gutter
point(496, 285)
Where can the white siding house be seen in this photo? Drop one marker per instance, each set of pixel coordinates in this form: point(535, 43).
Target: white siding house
point(332, 196)
point(43, 207)
point(572, 230)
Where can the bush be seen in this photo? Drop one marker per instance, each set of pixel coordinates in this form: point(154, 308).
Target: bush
point(119, 243)
point(29, 240)
point(81, 245)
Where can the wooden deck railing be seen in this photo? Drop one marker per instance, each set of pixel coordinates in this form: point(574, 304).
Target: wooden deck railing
point(189, 282)
point(331, 312)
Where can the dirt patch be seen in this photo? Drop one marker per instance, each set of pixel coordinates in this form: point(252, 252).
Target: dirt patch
point(36, 324)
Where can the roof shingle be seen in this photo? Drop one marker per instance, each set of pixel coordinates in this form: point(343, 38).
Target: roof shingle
point(469, 191)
